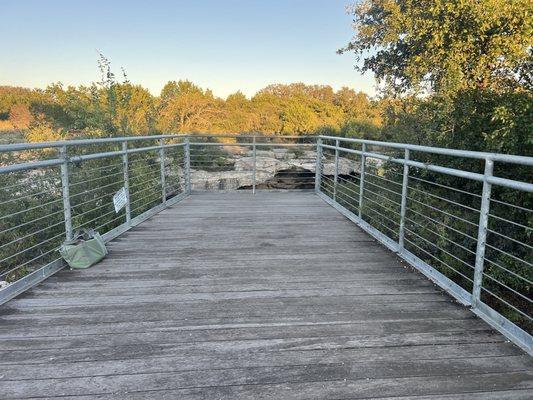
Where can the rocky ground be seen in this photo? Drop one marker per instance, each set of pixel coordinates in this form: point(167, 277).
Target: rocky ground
point(277, 168)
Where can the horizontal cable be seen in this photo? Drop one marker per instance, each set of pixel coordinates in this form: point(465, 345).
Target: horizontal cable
point(444, 186)
point(339, 193)
point(381, 205)
point(28, 262)
point(442, 224)
point(42, 179)
point(155, 193)
point(444, 199)
point(144, 167)
point(343, 187)
point(145, 204)
point(109, 222)
point(510, 238)
point(511, 205)
point(439, 235)
point(508, 288)
point(366, 216)
point(383, 188)
point(367, 190)
point(31, 195)
point(347, 192)
point(30, 209)
point(133, 174)
point(84, 167)
point(108, 194)
point(512, 222)
point(95, 219)
point(368, 208)
point(30, 222)
point(95, 179)
point(107, 204)
point(509, 271)
point(32, 247)
point(354, 176)
point(116, 183)
point(146, 160)
point(438, 260)
point(443, 212)
point(509, 254)
point(150, 183)
point(30, 234)
point(507, 303)
point(439, 248)
point(382, 178)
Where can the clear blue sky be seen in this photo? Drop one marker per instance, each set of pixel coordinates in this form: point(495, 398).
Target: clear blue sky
point(224, 45)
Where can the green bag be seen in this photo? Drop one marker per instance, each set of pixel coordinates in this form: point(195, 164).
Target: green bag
point(85, 250)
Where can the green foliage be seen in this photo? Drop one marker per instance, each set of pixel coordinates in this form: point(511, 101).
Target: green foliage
point(442, 45)
point(111, 108)
point(457, 74)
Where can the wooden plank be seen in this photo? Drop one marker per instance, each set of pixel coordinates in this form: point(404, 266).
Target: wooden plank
point(229, 295)
point(429, 387)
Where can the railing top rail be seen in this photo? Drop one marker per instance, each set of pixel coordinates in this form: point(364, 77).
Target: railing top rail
point(510, 183)
point(508, 158)
point(81, 142)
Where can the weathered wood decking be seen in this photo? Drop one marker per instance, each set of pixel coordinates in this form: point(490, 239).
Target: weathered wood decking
point(230, 296)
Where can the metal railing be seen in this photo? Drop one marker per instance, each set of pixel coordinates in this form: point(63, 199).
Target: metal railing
point(468, 231)
point(462, 218)
point(48, 191)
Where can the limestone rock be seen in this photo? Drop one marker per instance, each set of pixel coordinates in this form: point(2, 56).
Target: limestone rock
point(268, 164)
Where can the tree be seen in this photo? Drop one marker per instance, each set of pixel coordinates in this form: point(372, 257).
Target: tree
point(20, 116)
point(135, 111)
point(185, 107)
point(238, 115)
point(442, 45)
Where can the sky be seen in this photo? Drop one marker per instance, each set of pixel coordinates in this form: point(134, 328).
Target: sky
point(223, 45)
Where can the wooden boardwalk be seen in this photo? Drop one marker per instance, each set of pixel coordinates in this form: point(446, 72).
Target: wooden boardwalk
point(231, 296)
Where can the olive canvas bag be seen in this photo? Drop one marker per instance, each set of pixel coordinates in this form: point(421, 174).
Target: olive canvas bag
point(85, 250)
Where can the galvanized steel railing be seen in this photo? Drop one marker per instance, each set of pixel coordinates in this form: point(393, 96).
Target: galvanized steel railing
point(445, 220)
point(444, 211)
point(50, 190)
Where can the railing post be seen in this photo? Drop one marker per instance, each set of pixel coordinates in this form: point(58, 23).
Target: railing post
point(125, 169)
point(405, 185)
point(318, 167)
point(336, 173)
point(187, 162)
point(254, 166)
point(482, 233)
point(162, 166)
point(66, 192)
point(362, 179)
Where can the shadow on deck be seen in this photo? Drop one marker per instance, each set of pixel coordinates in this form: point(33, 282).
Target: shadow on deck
point(273, 296)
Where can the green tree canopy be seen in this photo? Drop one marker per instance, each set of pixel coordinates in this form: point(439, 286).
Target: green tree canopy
point(443, 45)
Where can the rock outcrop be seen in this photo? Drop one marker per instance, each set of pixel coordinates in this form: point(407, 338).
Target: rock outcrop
point(269, 164)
